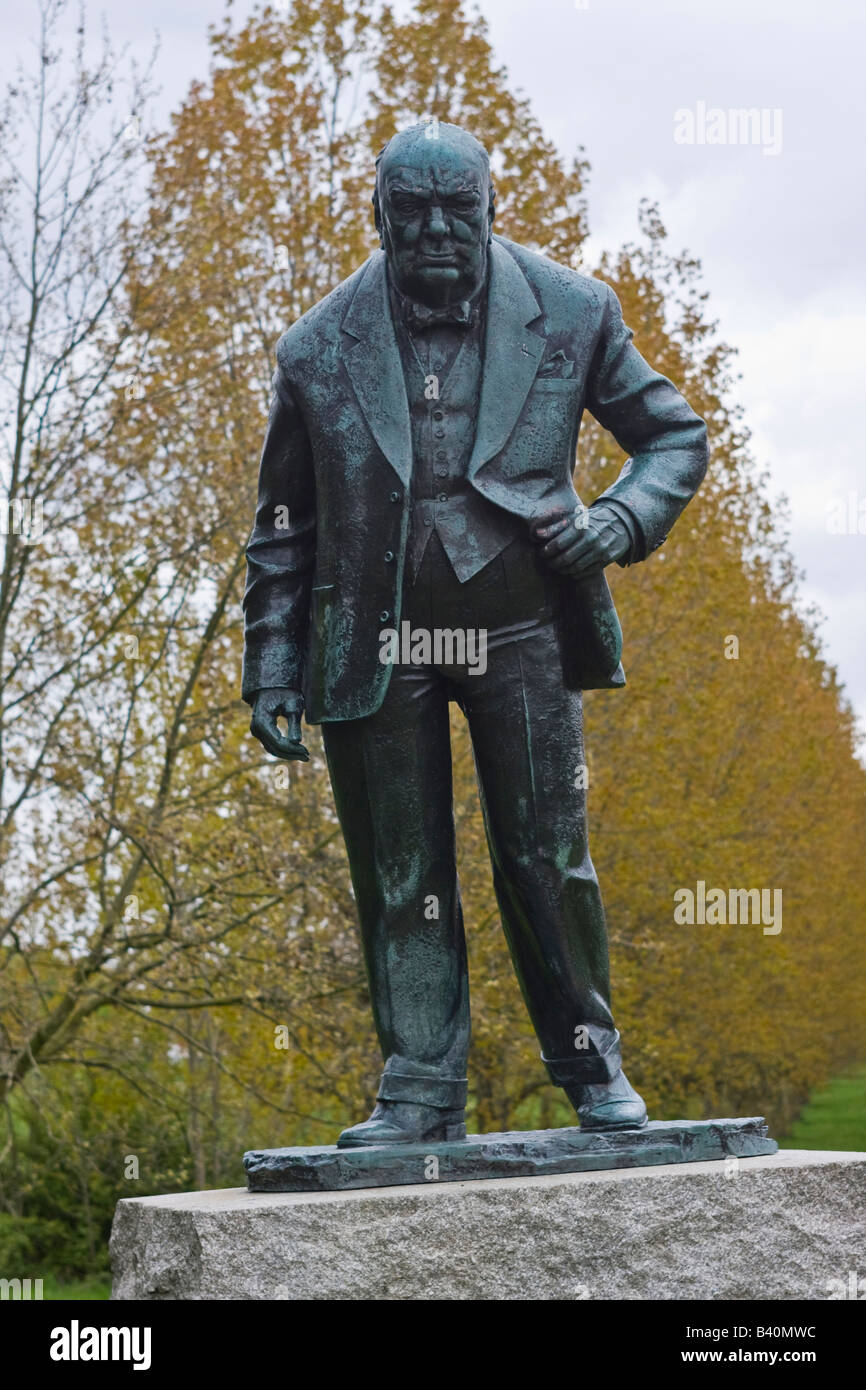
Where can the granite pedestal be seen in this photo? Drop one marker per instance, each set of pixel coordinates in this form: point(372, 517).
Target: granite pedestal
point(789, 1225)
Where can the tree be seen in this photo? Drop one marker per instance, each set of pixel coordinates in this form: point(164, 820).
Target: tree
point(64, 253)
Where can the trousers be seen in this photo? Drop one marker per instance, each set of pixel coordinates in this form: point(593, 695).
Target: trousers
point(391, 775)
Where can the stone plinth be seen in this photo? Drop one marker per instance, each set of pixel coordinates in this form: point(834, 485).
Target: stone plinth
point(779, 1226)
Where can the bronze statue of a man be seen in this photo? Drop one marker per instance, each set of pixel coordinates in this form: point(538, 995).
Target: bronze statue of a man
point(418, 540)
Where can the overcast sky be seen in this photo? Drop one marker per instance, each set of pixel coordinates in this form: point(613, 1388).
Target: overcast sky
point(778, 224)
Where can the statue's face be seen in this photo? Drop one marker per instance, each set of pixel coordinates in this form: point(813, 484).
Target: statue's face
point(433, 195)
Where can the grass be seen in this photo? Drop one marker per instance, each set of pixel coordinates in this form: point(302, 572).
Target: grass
point(834, 1118)
point(95, 1286)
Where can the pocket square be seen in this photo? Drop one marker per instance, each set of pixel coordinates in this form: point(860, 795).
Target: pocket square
point(558, 365)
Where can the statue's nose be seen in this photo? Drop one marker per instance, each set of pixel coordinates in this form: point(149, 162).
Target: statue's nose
point(436, 224)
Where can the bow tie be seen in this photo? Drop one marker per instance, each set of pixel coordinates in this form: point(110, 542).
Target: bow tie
point(419, 317)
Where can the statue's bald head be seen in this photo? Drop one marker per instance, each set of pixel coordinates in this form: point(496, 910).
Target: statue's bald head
point(434, 206)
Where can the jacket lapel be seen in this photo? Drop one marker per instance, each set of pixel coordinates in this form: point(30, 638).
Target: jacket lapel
point(511, 356)
point(375, 370)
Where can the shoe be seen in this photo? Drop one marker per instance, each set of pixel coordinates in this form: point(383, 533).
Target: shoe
point(399, 1122)
point(616, 1105)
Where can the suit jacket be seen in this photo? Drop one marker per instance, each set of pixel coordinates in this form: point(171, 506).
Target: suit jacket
point(327, 550)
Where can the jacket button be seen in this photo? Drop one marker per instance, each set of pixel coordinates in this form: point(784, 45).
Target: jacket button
point(395, 497)
point(389, 555)
point(438, 414)
point(443, 497)
point(384, 616)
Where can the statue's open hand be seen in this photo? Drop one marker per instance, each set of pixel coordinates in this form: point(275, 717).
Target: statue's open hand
point(582, 541)
point(270, 705)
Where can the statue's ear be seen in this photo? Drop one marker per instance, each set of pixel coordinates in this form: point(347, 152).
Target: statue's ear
point(377, 214)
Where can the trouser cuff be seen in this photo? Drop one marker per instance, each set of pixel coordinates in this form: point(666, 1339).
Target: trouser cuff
point(444, 1092)
point(595, 1065)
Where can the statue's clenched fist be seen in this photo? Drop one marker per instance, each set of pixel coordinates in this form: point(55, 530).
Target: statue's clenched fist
point(581, 542)
point(270, 705)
